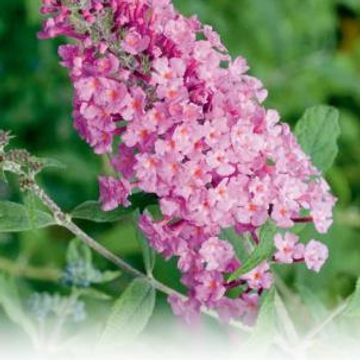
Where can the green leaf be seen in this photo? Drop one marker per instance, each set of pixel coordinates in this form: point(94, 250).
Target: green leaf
point(317, 310)
point(10, 301)
point(261, 252)
point(264, 331)
point(236, 241)
point(313, 304)
point(78, 251)
point(95, 294)
point(317, 132)
point(148, 252)
point(29, 201)
point(354, 4)
point(353, 308)
point(130, 314)
point(286, 324)
point(32, 12)
point(266, 317)
point(91, 210)
point(16, 218)
point(109, 276)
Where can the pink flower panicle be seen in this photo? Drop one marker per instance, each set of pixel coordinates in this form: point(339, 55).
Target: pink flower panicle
point(194, 132)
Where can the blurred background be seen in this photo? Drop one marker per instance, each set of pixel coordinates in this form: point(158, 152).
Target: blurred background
point(307, 52)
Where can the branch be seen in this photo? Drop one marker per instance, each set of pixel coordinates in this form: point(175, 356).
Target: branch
point(64, 220)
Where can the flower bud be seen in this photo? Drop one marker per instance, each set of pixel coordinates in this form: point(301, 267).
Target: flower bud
point(5, 138)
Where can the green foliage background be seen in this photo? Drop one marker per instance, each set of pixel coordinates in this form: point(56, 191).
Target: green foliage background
point(307, 52)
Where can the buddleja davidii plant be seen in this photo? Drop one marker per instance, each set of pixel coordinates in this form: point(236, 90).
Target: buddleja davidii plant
point(134, 307)
point(194, 135)
point(193, 131)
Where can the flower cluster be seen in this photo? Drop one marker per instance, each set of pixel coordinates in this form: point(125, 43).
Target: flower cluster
point(289, 250)
point(44, 306)
point(80, 274)
point(181, 119)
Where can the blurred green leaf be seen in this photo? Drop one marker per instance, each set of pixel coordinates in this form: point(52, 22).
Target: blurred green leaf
point(353, 308)
point(130, 314)
point(32, 10)
point(267, 313)
point(147, 251)
point(109, 276)
point(317, 132)
point(286, 324)
point(78, 251)
point(95, 294)
point(16, 218)
point(354, 4)
point(316, 308)
point(261, 252)
point(121, 238)
point(10, 301)
point(265, 328)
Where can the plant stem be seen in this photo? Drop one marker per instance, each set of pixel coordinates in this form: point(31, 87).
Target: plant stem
point(65, 221)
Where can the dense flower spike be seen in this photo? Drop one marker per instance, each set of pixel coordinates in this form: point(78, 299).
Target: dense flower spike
point(194, 132)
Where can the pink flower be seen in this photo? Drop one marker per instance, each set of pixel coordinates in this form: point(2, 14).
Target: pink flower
point(168, 70)
point(209, 287)
point(239, 66)
point(229, 309)
point(87, 87)
point(124, 161)
point(187, 309)
point(160, 237)
point(288, 248)
point(217, 254)
point(251, 308)
point(282, 215)
point(113, 192)
point(260, 277)
point(213, 37)
point(135, 106)
point(315, 255)
point(134, 43)
point(251, 213)
point(113, 96)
